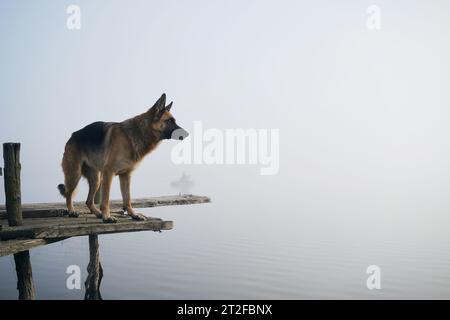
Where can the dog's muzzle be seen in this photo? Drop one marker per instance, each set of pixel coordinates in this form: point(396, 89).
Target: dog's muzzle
point(179, 134)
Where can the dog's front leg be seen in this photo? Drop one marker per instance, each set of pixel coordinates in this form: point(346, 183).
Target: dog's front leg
point(106, 187)
point(126, 197)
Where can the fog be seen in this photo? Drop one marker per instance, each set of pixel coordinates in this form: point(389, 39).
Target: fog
point(362, 114)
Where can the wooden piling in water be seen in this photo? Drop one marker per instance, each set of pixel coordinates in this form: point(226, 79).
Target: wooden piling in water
point(13, 199)
point(25, 283)
point(95, 271)
point(11, 156)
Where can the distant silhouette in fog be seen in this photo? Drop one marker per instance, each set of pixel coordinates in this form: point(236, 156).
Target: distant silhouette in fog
point(183, 185)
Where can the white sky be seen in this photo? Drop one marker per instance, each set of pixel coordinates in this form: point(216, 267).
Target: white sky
point(363, 115)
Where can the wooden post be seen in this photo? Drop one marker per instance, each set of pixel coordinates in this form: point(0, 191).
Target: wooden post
point(11, 156)
point(95, 271)
point(1, 174)
point(25, 283)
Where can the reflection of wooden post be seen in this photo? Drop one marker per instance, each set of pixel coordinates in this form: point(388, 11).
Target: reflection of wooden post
point(25, 283)
point(11, 155)
point(95, 271)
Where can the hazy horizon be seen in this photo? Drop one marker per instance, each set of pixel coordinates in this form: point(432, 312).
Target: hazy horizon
point(362, 114)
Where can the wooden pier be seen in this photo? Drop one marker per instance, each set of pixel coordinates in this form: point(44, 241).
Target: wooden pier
point(45, 223)
point(24, 227)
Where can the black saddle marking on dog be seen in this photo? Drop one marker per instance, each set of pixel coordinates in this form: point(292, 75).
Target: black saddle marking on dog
point(92, 136)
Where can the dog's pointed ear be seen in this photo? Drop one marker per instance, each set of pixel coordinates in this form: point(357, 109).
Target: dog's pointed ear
point(162, 101)
point(169, 106)
point(159, 104)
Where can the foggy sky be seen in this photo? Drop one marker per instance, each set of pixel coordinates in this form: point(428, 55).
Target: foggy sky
point(363, 115)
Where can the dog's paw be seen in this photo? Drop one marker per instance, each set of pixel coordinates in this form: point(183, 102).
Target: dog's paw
point(138, 217)
point(73, 214)
point(110, 220)
point(98, 215)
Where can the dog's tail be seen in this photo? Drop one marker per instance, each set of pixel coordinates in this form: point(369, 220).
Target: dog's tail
point(62, 189)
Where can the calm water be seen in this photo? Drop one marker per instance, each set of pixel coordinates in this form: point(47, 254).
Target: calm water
point(262, 248)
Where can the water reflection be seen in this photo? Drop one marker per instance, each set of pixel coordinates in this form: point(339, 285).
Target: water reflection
point(95, 271)
point(25, 283)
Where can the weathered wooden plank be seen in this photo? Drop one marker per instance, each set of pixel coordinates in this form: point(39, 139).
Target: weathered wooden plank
point(54, 221)
point(102, 228)
point(26, 231)
point(13, 233)
point(41, 210)
point(53, 213)
point(82, 229)
point(13, 246)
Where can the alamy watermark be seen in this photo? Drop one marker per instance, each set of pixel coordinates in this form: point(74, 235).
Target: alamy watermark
point(73, 281)
point(374, 280)
point(230, 147)
point(373, 21)
point(73, 21)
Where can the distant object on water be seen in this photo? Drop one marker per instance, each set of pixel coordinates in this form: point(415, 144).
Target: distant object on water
point(184, 184)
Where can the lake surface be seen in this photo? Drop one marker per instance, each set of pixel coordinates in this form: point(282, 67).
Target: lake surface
point(253, 246)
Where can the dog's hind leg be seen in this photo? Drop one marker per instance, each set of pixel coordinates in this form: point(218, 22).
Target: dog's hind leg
point(72, 173)
point(93, 177)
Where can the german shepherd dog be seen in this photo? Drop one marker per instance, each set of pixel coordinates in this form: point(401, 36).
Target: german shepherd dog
point(102, 150)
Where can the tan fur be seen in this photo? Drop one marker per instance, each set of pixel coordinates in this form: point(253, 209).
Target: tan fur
point(125, 145)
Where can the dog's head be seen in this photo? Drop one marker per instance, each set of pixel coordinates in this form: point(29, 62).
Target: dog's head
point(163, 122)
